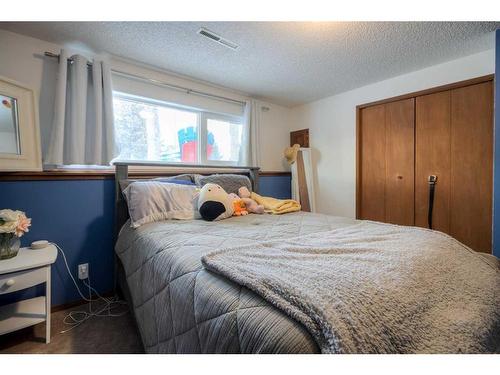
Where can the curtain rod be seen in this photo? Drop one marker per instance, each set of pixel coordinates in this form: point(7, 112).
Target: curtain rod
point(161, 83)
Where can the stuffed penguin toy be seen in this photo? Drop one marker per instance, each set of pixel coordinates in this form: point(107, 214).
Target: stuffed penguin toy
point(214, 203)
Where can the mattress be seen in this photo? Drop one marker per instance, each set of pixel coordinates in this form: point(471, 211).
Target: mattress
point(180, 307)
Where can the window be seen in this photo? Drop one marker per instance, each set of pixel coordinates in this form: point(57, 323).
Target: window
point(150, 130)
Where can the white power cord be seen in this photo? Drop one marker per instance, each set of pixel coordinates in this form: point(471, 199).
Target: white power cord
point(77, 317)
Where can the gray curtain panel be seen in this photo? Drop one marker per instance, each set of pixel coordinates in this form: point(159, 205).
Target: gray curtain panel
point(250, 150)
point(83, 130)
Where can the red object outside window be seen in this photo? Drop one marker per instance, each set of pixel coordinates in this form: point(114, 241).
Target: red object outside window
point(189, 151)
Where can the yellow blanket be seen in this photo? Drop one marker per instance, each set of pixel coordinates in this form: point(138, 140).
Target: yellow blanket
point(276, 206)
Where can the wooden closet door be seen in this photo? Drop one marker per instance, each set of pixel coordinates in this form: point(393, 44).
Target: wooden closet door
point(472, 165)
point(400, 159)
point(432, 157)
point(372, 163)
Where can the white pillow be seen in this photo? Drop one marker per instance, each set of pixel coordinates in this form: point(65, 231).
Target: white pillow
point(150, 201)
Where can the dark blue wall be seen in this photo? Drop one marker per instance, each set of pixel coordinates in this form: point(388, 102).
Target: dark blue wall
point(276, 186)
point(496, 174)
point(79, 217)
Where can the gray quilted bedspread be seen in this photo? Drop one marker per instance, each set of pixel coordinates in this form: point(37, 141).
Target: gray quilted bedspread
point(180, 307)
point(375, 288)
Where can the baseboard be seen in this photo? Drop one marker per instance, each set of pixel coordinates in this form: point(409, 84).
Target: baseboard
point(78, 302)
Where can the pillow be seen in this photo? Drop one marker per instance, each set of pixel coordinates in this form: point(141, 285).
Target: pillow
point(229, 182)
point(174, 181)
point(188, 177)
point(150, 201)
point(181, 177)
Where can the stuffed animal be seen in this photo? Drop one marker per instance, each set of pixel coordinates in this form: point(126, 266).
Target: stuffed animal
point(291, 153)
point(214, 203)
point(251, 205)
point(238, 205)
point(239, 208)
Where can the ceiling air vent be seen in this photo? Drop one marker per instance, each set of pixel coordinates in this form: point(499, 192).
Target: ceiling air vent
point(216, 38)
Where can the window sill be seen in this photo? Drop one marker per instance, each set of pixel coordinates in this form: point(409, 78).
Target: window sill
point(104, 174)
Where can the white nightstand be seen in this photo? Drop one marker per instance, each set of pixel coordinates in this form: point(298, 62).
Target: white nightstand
point(27, 269)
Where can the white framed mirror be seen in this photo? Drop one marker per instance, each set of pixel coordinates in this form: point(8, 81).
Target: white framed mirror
point(19, 130)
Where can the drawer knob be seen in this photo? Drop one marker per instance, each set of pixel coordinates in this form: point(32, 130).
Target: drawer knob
point(10, 282)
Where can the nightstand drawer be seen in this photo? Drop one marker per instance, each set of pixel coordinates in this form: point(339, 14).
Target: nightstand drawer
point(11, 282)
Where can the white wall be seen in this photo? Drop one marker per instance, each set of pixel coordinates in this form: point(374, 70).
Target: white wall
point(274, 136)
point(332, 124)
point(22, 59)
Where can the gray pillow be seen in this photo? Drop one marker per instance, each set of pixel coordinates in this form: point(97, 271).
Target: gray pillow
point(229, 182)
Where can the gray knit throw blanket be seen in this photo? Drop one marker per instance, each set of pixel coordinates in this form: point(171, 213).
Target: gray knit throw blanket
point(375, 288)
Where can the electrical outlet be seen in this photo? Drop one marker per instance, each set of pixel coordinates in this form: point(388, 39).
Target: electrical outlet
point(83, 271)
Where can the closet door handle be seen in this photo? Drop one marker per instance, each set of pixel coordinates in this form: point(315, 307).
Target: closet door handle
point(400, 177)
point(432, 180)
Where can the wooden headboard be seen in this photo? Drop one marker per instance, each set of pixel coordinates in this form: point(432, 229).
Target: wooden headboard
point(168, 169)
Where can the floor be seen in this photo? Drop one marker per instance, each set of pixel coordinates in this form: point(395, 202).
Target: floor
point(100, 335)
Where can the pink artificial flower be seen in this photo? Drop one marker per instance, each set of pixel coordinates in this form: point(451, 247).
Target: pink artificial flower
point(22, 225)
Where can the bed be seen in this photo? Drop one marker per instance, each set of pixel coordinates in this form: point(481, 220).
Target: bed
point(182, 307)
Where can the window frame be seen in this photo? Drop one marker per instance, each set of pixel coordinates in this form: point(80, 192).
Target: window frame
point(204, 117)
point(202, 125)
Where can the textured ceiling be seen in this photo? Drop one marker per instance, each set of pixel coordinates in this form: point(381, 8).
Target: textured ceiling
point(286, 62)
